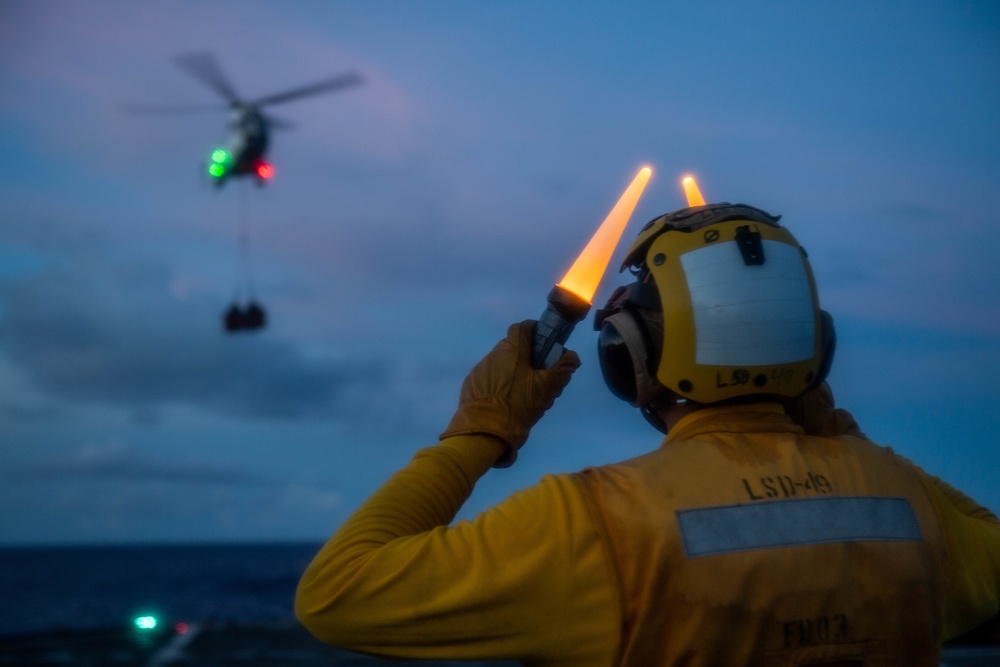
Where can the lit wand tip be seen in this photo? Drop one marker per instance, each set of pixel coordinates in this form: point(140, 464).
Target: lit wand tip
point(569, 300)
point(692, 192)
point(584, 276)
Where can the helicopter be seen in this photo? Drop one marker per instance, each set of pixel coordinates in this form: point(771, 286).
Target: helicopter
point(244, 152)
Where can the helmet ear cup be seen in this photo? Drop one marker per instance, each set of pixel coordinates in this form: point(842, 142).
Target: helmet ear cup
point(628, 358)
point(617, 364)
point(828, 343)
point(619, 370)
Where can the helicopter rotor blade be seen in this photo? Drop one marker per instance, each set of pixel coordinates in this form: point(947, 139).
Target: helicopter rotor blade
point(276, 123)
point(151, 110)
point(328, 85)
point(205, 68)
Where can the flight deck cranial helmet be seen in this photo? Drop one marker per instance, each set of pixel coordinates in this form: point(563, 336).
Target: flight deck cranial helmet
point(724, 306)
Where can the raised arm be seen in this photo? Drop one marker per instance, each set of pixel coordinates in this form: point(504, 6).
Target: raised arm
point(396, 580)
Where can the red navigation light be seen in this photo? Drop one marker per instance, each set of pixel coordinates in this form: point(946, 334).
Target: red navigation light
point(265, 171)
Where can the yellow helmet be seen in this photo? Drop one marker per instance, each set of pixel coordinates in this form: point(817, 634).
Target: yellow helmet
point(724, 306)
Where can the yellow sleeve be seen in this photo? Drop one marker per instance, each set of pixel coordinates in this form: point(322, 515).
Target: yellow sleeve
point(972, 533)
point(525, 580)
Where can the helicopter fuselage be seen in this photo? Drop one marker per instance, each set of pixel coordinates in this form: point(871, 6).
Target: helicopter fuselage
point(245, 148)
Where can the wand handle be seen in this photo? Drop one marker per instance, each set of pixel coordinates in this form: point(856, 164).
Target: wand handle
point(562, 314)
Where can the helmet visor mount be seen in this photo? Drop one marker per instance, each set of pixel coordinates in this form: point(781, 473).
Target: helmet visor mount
point(740, 312)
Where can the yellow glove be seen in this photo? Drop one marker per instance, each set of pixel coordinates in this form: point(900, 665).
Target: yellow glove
point(504, 396)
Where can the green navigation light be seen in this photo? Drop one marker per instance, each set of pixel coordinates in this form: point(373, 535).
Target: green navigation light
point(220, 156)
point(216, 169)
point(145, 622)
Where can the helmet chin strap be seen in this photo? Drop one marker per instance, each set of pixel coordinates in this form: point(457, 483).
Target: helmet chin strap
point(651, 411)
point(653, 418)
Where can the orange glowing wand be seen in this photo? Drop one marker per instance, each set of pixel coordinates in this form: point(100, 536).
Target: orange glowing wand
point(692, 192)
point(570, 299)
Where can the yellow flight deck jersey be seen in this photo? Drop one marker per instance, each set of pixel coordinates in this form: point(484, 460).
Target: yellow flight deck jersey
point(740, 541)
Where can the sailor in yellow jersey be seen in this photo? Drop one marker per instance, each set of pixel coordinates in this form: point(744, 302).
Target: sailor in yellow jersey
point(765, 530)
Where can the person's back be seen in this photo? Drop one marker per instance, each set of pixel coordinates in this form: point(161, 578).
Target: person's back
point(743, 541)
point(765, 530)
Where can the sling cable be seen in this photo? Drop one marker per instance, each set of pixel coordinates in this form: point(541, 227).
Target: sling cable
point(245, 313)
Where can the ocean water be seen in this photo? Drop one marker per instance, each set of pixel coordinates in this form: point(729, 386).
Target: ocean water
point(70, 588)
point(80, 588)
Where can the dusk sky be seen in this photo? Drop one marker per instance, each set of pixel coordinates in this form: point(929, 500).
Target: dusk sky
point(412, 218)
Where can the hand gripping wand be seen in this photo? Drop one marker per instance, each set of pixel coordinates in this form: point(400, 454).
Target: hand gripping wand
point(569, 300)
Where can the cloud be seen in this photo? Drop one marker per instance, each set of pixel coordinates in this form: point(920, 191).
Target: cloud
point(911, 263)
point(118, 332)
point(121, 464)
point(52, 54)
point(118, 491)
point(19, 412)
